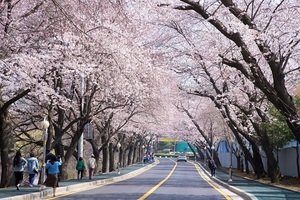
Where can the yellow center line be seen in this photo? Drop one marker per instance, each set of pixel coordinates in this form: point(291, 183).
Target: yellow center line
point(158, 185)
point(210, 182)
point(85, 188)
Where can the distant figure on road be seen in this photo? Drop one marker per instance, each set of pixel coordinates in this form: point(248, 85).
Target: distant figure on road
point(80, 167)
point(91, 165)
point(52, 178)
point(19, 164)
point(33, 168)
point(212, 166)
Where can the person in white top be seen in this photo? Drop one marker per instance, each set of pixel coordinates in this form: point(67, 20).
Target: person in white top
point(91, 165)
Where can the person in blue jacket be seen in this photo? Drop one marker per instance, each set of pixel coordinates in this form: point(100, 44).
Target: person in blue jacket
point(52, 178)
point(19, 164)
point(33, 168)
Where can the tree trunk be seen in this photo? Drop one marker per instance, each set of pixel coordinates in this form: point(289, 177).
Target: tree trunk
point(254, 158)
point(7, 145)
point(64, 175)
point(70, 151)
point(125, 156)
point(141, 150)
point(273, 168)
point(7, 142)
point(129, 155)
point(111, 157)
point(257, 164)
point(135, 153)
point(238, 161)
point(247, 166)
point(105, 160)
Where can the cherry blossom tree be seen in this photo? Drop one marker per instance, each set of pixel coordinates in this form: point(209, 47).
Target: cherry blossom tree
point(208, 125)
point(263, 47)
point(73, 41)
point(20, 30)
point(244, 39)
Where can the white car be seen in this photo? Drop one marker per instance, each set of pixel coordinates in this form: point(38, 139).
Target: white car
point(182, 158)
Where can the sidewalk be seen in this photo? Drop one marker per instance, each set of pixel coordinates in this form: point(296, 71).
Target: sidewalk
point(32, 193)
point(249, 189)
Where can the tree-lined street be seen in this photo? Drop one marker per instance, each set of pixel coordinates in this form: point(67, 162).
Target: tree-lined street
point(152, 181)
point(110, 78)
point(180, 181)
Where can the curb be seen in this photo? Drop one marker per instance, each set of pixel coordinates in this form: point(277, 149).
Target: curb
point(233, 189)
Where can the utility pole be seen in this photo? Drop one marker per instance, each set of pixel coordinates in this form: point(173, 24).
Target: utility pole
point(80, 141)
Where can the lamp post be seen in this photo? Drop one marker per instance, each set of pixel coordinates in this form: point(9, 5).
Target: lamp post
point(119, 164)
point(143, 147)
point(119, 145)
point(44, 127)
point(144, 159)
point(80, 141)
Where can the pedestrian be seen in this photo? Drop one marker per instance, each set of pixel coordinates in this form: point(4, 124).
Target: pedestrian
point(91, 165)
point(48, 157)
point(19, 164)
point(212, 166)
point(33, 168)
point(52, 178)
point(80, 167)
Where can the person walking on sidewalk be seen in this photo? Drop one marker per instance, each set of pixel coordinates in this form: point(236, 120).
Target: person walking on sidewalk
point(212, 166)
point(91, 165)
point(52, 178)
point(49, 156)
point(19, 164)
point(80, 167)
point(33, 168)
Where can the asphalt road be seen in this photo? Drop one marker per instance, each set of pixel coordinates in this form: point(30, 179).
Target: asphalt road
point(168, 180)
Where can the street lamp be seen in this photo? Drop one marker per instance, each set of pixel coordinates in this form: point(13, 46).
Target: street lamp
point(119, 164)
point(144, 159)
point(119, 145)
point(44, 126)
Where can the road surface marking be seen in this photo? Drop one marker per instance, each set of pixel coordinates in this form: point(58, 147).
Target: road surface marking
point(85, 188)
point(204, 177)
point(158, 185)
